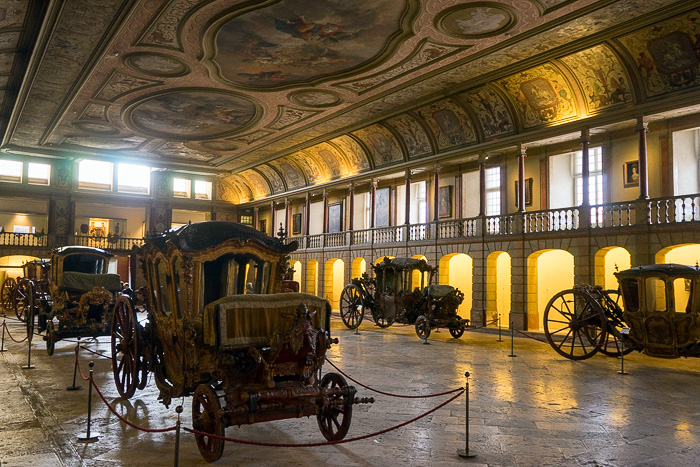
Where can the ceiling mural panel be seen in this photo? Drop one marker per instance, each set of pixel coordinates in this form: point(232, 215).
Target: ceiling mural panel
point(476, 20)
point(120, 84)
point(667, 54)
point(315, 172)
point(250, 138)
point(287, 116)
point(383, 146)
point(196, 114)
point(164, 31)
point(272, 177)
point(220, 145)
point(449, 123)
point(9, 40)
point(293, 176)
point(178, 150)
point(257, 183)
point(491, 111)
point(413, 135)
point(602, 77)
point(317, 98)
point(94, 112)
point(542, 94)
point(336, 163)
point(264, 47)
point(241, 189)
point(102, 142)
point(358, 160)
point(156, 64)
point(12, 12)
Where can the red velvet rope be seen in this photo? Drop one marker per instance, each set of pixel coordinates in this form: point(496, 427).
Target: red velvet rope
point(310, 445)
point(401, 396)
point(12, 338)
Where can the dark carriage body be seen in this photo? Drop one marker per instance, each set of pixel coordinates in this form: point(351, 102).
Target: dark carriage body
point(221, 328)
point(402, 291)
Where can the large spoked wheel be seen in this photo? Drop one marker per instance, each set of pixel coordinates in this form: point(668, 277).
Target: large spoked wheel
point(336, 414)
point(457, 330)
point(21, 299)
point(206, 417)
point(125, 348)
point(7, 294)
point(574, 324)
point(423, 327)
point(352, 307)
point(50, 338)
point(613, 346)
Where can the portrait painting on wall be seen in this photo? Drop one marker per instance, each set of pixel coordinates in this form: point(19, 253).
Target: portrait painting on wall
point(445, 205)
point(262, 225)
point(528, 192)
point(630, 170)
point(296, 223)
point(381, 207)
point(335, 217)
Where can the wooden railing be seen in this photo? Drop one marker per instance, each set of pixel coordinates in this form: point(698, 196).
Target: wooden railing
point(23, 239)
point(108, 243)
point(551, 220)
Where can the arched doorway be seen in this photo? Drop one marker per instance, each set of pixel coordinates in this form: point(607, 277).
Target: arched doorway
point(498, 285)
point(334, 281)
point(688, 254)
point(312, 277)
point(11, 266)
point(296, 265)
point(548, 272)
point(607, 262)
point(416, 278)
point(456, 270)
point(359, 267)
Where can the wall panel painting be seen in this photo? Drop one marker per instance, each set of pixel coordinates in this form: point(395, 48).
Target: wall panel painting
point(382, 207)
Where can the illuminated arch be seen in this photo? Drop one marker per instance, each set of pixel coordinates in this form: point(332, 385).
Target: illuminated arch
point(687, 253)
point(333, 281)
point(498, 288)
point(456, 269)
point(296, 265)
point(359, 266)
point(605, 262)
point(312, 277)
point(548, 272)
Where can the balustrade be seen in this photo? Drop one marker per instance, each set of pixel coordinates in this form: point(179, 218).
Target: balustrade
point(551, 220)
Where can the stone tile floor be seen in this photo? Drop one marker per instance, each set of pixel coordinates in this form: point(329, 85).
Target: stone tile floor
point(535, 409)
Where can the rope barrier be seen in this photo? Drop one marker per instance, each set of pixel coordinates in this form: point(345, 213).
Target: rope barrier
point(132, 425)
point(387, 393)
point(327, 443)
point(80, 371)
point(109, 357)
point(12, 338)
point(531, 337)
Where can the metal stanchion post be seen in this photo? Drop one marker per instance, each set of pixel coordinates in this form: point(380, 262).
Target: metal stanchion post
point(499, 329)
point(29, 353)
point(2, 346)
point(624, 332)
point(75, 368)
point(465, 452)
point(512, 335)
point(178, 409)
point(89, 437)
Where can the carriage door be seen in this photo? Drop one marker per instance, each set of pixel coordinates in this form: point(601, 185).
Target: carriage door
point(173, 341)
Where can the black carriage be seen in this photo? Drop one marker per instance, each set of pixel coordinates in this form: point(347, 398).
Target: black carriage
point(15, 293)
point(655, 312)
point(80, 298)
point(219, 329)
point(402, 291)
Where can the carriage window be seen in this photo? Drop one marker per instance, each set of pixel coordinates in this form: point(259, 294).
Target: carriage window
point(630, 294)
point(682, 291)
point(89, 264)
point(163, 285)
point(656, 294)
point(179, 280)
point(233, 275)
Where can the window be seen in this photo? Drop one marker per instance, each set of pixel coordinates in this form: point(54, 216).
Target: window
point(10, 171)
point(133, 178)
point(182, 188)
point(595, 176)
point(202, 189)
point(38, 174)
point(95, 175)
point(419, 203)
point(493, 191)
point(247, 220)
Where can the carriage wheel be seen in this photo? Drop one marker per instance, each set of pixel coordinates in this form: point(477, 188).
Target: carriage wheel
point(7, 293)
point(381, 320)
point(206, 417)
point(142, 364)
point(457, 331)
point(125, 348)
point(50, 338)
point(160, 371)
point(20, 299)
point(352, 307)
point(336, 414)
point(613, 347)
point(423, 327)
point(574, 324)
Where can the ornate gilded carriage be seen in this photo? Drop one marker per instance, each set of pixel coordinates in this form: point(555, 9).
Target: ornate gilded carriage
point(81, 295)
point(219, 330)
point(402, 291)
point(655, 312)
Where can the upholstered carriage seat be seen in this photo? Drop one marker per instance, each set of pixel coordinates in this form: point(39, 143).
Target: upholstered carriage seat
point(250, 320)
point(83, 282)
point(439, 291)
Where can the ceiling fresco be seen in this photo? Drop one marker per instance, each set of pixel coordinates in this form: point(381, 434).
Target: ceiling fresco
point(274, 96)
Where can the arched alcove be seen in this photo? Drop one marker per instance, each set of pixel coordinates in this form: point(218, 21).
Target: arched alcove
point(334, 281)
point(312, 277)
point(548, 272)
point(416, 278)
point(498, 288)
point(688, 254)
point(607, 261)
point(359, 266)
point(296, 265)
point(456, 269)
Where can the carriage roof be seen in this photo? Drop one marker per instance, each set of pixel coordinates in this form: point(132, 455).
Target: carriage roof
point(401, 264)
point(672, 270)
point(85, 250)
point(204, 235)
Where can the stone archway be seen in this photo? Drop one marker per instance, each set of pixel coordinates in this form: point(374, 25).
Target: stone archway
point(456, 269)
point(548, 272)
point(687, 253)
point(358, 267)
point(334, 281)
point(607, 262)
point(312, 277)
point(498, 288)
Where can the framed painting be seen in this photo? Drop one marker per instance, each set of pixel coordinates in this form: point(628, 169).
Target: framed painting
point(630, 171)
point(262, 225)
point(445, 204)
point(335, 217)
point(382, 205)
point(528, 192)
point(296, 224)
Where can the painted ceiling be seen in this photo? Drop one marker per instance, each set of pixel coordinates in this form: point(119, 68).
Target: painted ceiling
point(276, 96)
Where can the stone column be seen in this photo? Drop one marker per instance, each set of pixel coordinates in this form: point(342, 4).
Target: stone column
point(482, 185)
point(521, 178)
point(272, 219)
point(325, 211)
point(288, 216)
point(373, 211)
point(351, 205)
point(407, 196)
point(436, 193)
point(585, 170)
point(642, 128)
